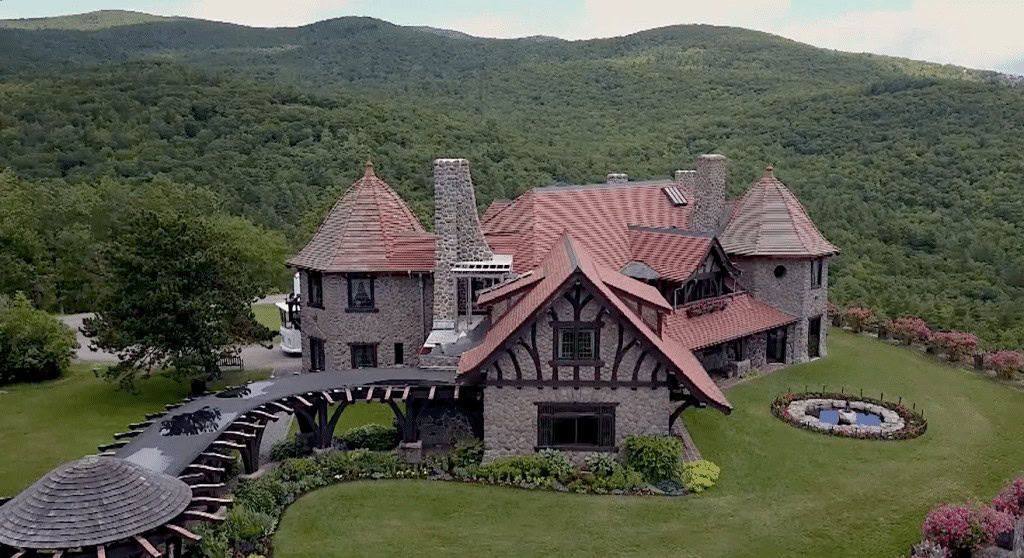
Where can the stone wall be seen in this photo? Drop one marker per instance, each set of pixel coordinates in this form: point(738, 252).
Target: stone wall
point(709, 209)
point(510, 415)
point(403, 304)
point(457, 225)
point(792, 293)
point(755, 349)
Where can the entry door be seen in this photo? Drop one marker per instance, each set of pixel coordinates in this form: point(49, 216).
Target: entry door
point(814, 337)
point(777, 345)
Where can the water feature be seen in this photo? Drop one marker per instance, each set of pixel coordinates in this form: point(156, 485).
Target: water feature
point(859, 418)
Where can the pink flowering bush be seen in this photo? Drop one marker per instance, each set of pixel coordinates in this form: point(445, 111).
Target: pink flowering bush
point(964, 528)
point(910, 330)
point(955, 344)
point(858, 317)
point(1006, 363)
point(1011, 499)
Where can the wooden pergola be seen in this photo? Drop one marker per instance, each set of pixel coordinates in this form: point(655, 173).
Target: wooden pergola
point(103, 507)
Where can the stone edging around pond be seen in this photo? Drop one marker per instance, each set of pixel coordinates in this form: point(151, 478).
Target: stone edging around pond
point(897, 421)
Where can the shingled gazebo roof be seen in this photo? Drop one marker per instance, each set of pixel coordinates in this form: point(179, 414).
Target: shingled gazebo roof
point(91, 502)
point(770, 221)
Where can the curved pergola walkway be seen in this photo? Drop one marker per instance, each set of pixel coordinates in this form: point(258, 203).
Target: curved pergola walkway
point(194, 438)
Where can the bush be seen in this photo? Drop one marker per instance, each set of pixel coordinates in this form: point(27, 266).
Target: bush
point(1006, 363)
point(910, 330)
point(298, 469)
point(620, 478)
point(512, 469)
point(955, 344)
point(858, 318)
point(1011, 499)
point(34, 346)
point(265, 495)
point(213, 544)
point(697, 476)
point(244, 524)
point(602, 464)
point(468, 452)
point(655, 457)
point(963, 529)
point(373, 437)
point(288, 449)
point(558, 465)
point(361, 464)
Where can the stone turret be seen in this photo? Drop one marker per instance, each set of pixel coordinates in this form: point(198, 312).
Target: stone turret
point(709, 210)
point(457, 226)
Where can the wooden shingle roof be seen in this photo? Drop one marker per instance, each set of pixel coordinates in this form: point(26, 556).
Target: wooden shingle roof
point(91, 501)
point(369, 229)
point(770, 221)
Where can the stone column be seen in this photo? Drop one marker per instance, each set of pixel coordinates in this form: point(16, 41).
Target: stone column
point(709, 205)
point(457, 226)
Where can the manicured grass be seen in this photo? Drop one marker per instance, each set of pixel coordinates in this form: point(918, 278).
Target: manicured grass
point(783, 491)
point(355, 415)
point(46, 424)
point(268, 315)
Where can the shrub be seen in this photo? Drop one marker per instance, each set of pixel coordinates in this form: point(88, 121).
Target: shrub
point(213, 544)
point(265, 495)
point(297, 469)
point(558, 465)
point(620, 478)
point(928, 549)
point(993, 522)
point(34, 346)
point(697, 476)
point(288, 448)
point(963, 529)
point(910, 330)
point(655, 457)
point(955, 344)
point(244, 524)
point(602, 464)
point(1011, 499)
point(858, 318)
point(373, 437)
point(1006, 363)
point(467, 452)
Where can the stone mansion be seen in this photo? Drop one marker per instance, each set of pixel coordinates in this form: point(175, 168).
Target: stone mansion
point(583, 314)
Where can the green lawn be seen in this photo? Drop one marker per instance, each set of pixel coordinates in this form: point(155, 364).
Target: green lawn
point(270, 316)
point(783, 491)
point(43, 425)
point(356, 414)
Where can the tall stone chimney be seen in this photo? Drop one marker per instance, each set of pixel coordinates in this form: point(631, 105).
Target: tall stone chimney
point(708, 213)
point(457, 226)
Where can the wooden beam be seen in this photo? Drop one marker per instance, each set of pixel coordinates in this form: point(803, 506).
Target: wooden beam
point(284, 408)
point(183, 532)
point(348, 395)
point(456, 396)
point(143, 424)
point(207, 468)
point(191, 476)
point(432, 390)
point(405, 394)
point(101, 551)
point(238, 434)
point(58, 554)
point(208, 486)
point(211, 500)
point(264, 414)
point(123, 435)
point(147, 546)
point(112, 445)
point(151, 416)
point(387, 394)
point(255, 425)
point(107, 453)
point(203, 515)
point(327, 396)
point(369, 393)
point(172, 406)
point(303, 400)
point(227, 444)
point(214, 455)
point(19, 554)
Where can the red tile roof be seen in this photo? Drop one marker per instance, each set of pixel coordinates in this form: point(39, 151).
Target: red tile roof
point(369, 229)
point(744, 315)
point(770, 221)
point(597, 216)
point(634, 288)
point(564, 259)
point(501, 291)
point(493, 209)
point(675, 255)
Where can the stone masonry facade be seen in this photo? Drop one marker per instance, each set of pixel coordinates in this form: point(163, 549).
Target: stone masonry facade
point(403, 315)
point(457, 224)
point(792, 293)
point(709, 213)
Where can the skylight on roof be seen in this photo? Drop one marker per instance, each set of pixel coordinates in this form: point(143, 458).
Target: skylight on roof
point(674, 196)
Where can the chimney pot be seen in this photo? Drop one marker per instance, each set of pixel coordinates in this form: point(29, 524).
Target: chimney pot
point(616, 178)
point(769, 171)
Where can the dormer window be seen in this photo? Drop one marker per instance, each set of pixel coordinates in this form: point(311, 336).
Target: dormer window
point(360, 294)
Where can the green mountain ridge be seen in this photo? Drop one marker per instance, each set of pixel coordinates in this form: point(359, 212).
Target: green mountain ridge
point(912, 168)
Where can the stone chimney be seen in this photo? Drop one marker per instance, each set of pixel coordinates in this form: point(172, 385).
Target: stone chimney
point(709, 208)
point(686, 179)
point(457, 226)
point(616, 178)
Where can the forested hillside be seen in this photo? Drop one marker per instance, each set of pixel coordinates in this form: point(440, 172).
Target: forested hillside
point(913, 169)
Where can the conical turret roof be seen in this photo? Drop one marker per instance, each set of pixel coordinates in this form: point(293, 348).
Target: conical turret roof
point(770, 221)
point(91, 501)
point(369, 229)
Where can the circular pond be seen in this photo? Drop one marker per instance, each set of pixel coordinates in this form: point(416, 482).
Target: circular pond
point(843, 415)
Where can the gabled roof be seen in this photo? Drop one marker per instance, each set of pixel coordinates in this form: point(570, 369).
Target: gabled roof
point(769, 221)
point(369, 229)
point(502, 290)
point(565, 259)
point(633, 288)
point(743, 315)
point(597, 216)
point(493, 209)
point(675, 254)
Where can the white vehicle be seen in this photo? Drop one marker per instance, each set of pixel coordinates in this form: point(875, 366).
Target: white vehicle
point(291, 336)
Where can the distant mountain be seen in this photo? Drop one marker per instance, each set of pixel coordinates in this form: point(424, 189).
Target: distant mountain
point(91, 21)
point(914, 169)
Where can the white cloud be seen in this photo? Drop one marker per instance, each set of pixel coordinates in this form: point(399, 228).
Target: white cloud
point(260, 13)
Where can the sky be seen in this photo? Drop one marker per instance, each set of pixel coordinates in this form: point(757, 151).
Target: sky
point(975, 33)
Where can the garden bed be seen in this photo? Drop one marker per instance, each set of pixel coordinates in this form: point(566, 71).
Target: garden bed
point(806, 410)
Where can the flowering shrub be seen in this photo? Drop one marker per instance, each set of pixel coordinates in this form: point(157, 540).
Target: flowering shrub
point(964, 528)
point(993, 522)
point(1011, 499)
point(700, 475)
point(955, 344)
point(910, 330)
point(1006, 363)
point(706, 306)
point(858, 317)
